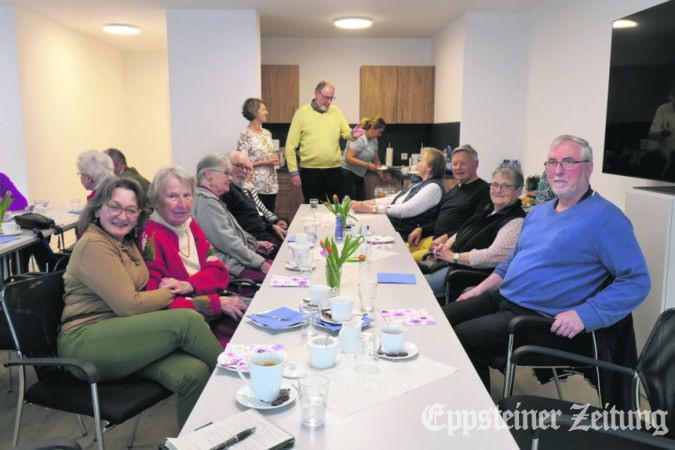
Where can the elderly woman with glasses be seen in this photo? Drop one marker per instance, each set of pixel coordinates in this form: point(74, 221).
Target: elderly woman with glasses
point(488, 236)
point(111, 321)
point(93, 167)
point(180, 258)
point(235, 247)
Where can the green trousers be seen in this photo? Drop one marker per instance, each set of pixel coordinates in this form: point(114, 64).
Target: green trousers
point(174, 347)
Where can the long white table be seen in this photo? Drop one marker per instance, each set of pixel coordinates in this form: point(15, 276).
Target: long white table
point(418, 419)
point(8, 250)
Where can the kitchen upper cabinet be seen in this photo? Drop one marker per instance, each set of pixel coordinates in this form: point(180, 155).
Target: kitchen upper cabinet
point(400, 94)
point(281, 91)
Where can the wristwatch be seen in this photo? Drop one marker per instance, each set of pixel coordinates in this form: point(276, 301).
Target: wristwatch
point(455, 258)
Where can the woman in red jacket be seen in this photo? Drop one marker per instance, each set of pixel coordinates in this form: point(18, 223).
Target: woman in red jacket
point(180, 258)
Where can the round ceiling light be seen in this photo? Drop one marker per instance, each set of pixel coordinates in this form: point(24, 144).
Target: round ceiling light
point(121, 28)
point(624, 23)
point(353, 23)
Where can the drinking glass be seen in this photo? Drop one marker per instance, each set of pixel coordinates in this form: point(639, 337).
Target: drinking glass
point(311, 230)
point(314, 206)
point(313, 398)
point(366, 354)
point(308, 312)
point(367, 294)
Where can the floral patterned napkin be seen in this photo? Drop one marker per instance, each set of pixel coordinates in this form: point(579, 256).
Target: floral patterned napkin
point(407, 316)
point(234, 353)
point(288, 281)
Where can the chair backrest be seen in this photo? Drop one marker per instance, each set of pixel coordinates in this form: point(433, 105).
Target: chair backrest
point(656, 366)
point(33, 308)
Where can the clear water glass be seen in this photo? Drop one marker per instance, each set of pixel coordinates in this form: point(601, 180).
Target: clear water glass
point(367, 294)
point(314, 206)
point(308, 314)
point(366, 354)
point(313, 393)
point(311, 230)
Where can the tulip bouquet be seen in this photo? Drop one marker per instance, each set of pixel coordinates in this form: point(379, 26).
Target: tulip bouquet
point(339, 208)
point(336, 258)
point(5, 203)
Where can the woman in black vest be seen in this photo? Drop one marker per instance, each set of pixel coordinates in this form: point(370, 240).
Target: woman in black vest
point(417, 203)
point(487, 238)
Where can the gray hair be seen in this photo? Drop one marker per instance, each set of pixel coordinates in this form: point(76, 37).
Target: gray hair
point(586, 150)
point(322, 84)
point(210, 162)
point(162, 176)
point(95, 164)
point(468, 149)
point(515, 175)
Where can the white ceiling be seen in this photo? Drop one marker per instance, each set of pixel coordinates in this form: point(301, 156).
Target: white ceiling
point(278, 18)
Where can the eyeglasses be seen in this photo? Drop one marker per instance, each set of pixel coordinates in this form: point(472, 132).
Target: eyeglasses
point(330, 99)
point(244, 167)
point(503, 186)
point(116, 209)
point(567, 163)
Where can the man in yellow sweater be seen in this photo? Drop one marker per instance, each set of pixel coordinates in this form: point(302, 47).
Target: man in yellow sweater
point(315, 131)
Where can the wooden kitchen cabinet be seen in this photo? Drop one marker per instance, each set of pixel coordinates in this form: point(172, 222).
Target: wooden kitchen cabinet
point(281, 91)
point(400, 94)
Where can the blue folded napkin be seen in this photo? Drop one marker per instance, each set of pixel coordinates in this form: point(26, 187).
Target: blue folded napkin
point(6, 239)
point(336, 327)
point(278, 319)
point(396, 278)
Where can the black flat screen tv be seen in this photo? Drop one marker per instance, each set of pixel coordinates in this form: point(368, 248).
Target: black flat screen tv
point(640, 125)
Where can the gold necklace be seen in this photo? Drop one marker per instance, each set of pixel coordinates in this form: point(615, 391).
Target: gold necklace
point(187, 238)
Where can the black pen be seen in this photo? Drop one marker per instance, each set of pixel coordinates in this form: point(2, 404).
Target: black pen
point(234, 439)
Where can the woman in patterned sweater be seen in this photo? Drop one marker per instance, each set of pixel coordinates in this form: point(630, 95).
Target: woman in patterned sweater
point(180, 258)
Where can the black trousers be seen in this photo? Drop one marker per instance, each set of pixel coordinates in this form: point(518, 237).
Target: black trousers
point(353, 185)
point(481, 324)
point(321, 183)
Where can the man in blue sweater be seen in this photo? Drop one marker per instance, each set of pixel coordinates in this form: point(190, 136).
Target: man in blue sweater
point(567, 250)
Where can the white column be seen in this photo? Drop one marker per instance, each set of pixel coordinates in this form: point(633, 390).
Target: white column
point(12, 151)
point(214, 65)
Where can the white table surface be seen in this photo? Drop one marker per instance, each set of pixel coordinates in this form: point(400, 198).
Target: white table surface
point(398, 423)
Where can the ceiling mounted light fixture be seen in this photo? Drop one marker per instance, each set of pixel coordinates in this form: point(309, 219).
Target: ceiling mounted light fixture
point(624, 23)
point(353, 23)
point(121, 28)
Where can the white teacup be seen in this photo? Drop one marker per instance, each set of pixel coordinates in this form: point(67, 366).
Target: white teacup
point(10, 227)
point(266, 370)
point(392, 338)
point(322, 351)
point(341, 308)
point(319, 294)
point(302, 255)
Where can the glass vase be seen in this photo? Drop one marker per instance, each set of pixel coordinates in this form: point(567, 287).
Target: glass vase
point(333, 277)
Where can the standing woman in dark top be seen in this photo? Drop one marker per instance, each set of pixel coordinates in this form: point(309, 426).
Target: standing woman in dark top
point(360, 156)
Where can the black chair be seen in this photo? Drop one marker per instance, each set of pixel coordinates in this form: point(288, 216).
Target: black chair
point(655, 371)
point(51, 444)
point(33, 308)
point(461, 278)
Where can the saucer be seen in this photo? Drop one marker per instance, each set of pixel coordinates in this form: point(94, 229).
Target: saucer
point(290, 265)
point(379, 239)
point(10, 234)
point(222, 363)
point(311, 306)
point(382, 168)
point(410, 348)
point(327, 317)
point(245, 397)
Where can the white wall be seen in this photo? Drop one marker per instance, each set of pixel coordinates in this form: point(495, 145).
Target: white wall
point(448, 57)
point(494, 81)
point(340, 60)
point(146, 106)
point(568, 71)
point(12, 157)
point(72, 98)
point(214, 65)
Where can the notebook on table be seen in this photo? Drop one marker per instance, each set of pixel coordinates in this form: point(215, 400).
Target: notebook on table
point(267, 436)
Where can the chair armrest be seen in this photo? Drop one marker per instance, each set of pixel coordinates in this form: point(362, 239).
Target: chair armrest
point(585, 360)
point(466, 276)
point(580, 424)
point(86, 368)
point(239, 283)
point(523, 321)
